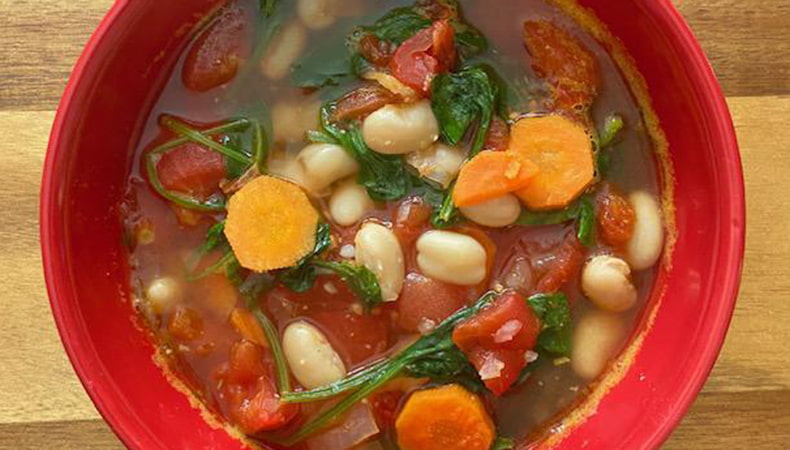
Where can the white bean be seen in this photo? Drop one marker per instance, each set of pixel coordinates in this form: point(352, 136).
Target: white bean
point(313, 361)
point(497, 213)
point(284, 51)
point(378, 249)
point(291, 169)
point(646, 245)
point(323, 164)
point(317, 14)
point(452, 258)
point(162, 294)
point(439, 162)
point(606, 281)
point(349, 203)
point(291, 120)
point(596, 338)
point(401, 129)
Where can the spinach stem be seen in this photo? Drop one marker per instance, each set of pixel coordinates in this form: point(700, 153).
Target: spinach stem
point(283, 377)
point(211, 205)
point(235, 125)
point(199, 138)
point(226, 259)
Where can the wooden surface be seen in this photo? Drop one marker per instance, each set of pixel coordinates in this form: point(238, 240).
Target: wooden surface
point(746, 402)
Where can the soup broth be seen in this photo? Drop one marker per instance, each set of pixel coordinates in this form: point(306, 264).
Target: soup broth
point(243, 109)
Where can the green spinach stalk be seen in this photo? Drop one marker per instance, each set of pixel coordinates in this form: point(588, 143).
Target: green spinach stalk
point(582, 211)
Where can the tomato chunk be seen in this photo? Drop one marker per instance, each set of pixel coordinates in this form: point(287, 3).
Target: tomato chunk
point(410, 219)
point(496, 340)
point(498, 137)
point(191, 169)
point(616, 217)
point(355, 337)
point(385, 408)
point(217, 54)
point(375, 50)
point(428, 53)
point(425, 302)
point(363, 101)
point(565, 267)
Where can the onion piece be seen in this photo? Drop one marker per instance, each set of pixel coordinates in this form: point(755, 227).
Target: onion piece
point(358, 426)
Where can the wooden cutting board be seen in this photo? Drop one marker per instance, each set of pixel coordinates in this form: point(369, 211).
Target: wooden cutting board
point(746, 402)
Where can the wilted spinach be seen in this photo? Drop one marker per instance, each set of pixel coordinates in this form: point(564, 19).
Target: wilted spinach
point(557, 326)
point(301, 277)
point(582, 211)
point(362, 282)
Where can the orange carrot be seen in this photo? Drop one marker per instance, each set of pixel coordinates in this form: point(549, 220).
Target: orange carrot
point(490, 175)
point(563, 152)
point(271, 224)
point(444, 418)
point(249, 328)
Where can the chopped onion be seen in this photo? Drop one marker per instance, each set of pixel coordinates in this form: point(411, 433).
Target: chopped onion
point(492, 368)
point(426, 326)
point(358, 426)
point(508, 331)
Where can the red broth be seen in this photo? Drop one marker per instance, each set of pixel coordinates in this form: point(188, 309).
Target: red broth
point(223, 366)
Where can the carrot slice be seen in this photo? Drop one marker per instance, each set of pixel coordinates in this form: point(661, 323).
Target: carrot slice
point(444, 418)
point(271, 224)
point(563, 152)
point(491, 175)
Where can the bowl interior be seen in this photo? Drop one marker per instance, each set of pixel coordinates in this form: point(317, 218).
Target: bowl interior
point(87, 273)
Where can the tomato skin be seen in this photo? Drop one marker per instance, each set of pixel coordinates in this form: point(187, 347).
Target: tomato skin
point(499, 337)
point(498, 137)
point(217, 54)
point(566, 267)
point(191, 169)
point(425, 299)
point(410, 219)
point(385, 408)
point(428, 53)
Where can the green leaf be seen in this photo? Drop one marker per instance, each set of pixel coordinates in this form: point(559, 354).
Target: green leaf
point(446, 215)
point(301, 277)
point(462, 99)
point(557, 326)
point(503, 443)
point(268, 7)
point(362, 282)
point(447, 366)
point(582, 211)
point(612, 127)
point(586, 218)
point(398, 25)
point(254, 286)
point(469, 41)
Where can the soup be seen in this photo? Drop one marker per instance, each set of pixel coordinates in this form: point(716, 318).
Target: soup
point(392, 224)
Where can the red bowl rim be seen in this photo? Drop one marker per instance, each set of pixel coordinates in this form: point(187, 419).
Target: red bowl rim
point(100, 390)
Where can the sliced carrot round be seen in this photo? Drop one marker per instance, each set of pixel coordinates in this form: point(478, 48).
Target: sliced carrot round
point(563, 152)
point(491, 175)
point(444, 418)
point(271, 224)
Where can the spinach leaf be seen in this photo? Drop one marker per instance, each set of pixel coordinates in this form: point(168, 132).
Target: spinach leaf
point(399, 25)
point(461, 99)
point(555, 317)
point(582, 211)
point(268, 7)
point(469, 41)
point(446, 214)
point(503, 443)
point(301, 277)
point(254, 286)
point(384, 176)
point(607, 137)
point(362, 282)
point(447, 366)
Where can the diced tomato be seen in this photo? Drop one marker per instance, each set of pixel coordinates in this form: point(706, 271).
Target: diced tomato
point(246, 362)
point(498, 137)
point(565, 62)
point(616, 217)
point(264, 411)
point(191, 169)
point(375, 50)
point(496, 340)
point(385, 408)
point(363, 101)
point(217, 54)
point(411, 218)
point(355, 337)
point(425, 301)
point(498, 368)
point(565, 267)
point(428, 53)
point(185, 324)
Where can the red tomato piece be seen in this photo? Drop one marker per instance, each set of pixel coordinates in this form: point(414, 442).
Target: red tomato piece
point(355, 337)
point(498, 137)
point(428, 53)
point(411, 218)
point(567, 264)
point(191, 169)
point(496, 340)
point(424, 301)
point(217, 54)
point(246, 363)
point(385, 408)
point(375, 50)
point(264, 411)
point(616, 217)
point(363, 101)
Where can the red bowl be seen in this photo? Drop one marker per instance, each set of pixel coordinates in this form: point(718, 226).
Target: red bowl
point(89, 157)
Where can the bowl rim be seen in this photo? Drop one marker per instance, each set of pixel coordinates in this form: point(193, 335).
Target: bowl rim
point(100, 390)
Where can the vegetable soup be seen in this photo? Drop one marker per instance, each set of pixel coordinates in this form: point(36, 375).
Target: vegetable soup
point(388, 224)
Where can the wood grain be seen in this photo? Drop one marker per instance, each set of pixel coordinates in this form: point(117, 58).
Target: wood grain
point(746, 402)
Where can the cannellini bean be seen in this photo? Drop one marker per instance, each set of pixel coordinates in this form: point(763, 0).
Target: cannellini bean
point(316, 14)
point(401, 129)
point(323, 164)
point(606, 281)
point(349, 203)
point(452, 258)
point(439, 162)
point(291, 120)
point(162, 294)
point(645, 246)
point(313, 361)
point(596, 338)
point(291, 169)
point(497, 213)
point(284, 51)
point(378, 249)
